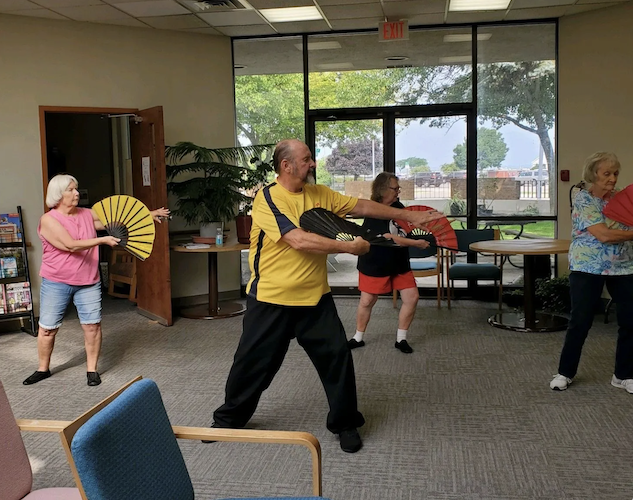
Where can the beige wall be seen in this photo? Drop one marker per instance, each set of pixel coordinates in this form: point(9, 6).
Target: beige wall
point(60, 63)
point(594, 94)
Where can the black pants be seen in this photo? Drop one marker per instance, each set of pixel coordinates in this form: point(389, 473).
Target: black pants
point(586, 290)
point(267, 332)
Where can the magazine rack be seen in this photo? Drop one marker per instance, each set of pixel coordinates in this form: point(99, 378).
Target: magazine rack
point(16, 299)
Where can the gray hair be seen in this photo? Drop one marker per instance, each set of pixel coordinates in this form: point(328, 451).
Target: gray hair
point(56, 187)
point(284, 150)
point(592, 164)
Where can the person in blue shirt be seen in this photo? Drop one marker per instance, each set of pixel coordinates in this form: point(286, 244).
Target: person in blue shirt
point(601, 252)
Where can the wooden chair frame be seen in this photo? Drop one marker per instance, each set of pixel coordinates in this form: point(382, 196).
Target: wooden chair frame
point(67, 430)
point(439, 272)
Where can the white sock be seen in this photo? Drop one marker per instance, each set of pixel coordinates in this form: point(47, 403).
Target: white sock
point(359, 336)
point(401, 335)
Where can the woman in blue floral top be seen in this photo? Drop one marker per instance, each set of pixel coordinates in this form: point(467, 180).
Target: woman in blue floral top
point(601, 252)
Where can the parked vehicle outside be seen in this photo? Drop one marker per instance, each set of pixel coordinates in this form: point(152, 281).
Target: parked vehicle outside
point(428, 179)
point(533, 175)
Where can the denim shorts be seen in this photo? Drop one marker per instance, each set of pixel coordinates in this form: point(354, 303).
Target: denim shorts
point(55, 297)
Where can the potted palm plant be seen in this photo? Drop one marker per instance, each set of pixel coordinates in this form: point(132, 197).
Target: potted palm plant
point(212, 185)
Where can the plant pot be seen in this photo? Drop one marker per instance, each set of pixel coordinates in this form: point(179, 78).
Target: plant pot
point(243, 224)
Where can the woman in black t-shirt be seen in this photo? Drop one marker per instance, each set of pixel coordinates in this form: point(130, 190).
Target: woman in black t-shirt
point(384, 269)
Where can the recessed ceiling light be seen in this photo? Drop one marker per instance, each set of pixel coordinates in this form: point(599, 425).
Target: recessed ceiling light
point(456, 59)
point(289, 14)
point(396, 58)
point(462, 5)
point(239, 66)
point(319, 45)
point(335, 66)
point(467, 37)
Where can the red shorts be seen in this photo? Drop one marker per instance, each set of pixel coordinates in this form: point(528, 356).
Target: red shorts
point(385, 284)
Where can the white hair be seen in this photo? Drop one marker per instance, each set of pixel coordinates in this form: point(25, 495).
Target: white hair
point(56, 187)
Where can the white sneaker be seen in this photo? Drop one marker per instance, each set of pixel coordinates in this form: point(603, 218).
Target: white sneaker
point(623, 384)
point(560, 382)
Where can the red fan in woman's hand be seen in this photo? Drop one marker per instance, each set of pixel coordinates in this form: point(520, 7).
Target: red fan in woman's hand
point(440, 228)
point(620, 207)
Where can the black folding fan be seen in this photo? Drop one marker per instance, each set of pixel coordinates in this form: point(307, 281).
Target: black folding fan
point(329, 225)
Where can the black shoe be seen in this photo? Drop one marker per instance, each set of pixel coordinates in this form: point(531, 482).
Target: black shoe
point(404, 346)
point(213, 426)
point(36, 377)
point(350, 441)
point(353, 343)
point(93, 378)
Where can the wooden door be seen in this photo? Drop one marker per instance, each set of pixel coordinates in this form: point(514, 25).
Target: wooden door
point(150, 186)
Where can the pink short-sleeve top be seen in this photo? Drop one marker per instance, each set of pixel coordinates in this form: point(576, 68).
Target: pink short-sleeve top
point(71, 268)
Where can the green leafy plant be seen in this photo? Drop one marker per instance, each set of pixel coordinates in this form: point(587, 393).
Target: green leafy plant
point(217, 182)
point(553, 294)
point(456, 205)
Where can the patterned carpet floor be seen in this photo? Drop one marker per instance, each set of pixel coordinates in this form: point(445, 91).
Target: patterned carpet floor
point(468, 415)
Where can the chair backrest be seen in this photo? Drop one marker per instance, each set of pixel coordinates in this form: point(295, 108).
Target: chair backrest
point(467, 236)
point(16, 478)
point(128, 449)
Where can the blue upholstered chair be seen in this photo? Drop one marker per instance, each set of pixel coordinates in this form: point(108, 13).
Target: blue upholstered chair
point(125, 447)
point(423, 267)
point(475, 271)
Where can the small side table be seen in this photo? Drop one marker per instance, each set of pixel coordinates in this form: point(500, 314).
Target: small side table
point(214, 309)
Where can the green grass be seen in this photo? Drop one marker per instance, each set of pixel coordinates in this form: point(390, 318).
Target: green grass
point(541, 229)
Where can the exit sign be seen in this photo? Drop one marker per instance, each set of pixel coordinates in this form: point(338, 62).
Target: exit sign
point(396, 30)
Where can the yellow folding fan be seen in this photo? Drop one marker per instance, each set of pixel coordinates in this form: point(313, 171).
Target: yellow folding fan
point(130, 220)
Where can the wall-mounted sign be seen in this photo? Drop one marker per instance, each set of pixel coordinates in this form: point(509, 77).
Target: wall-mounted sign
point(145, 169)
point(396, 30)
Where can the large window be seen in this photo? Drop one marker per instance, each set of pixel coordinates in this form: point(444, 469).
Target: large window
point(269, 101)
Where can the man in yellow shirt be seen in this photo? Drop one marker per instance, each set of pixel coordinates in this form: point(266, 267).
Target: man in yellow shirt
point(289, 296)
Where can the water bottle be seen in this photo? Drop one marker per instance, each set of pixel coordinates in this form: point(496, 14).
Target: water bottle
point(219, 238)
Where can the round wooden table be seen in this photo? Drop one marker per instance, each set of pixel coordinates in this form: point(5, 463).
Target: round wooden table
point(529, 320)
point(214, 309)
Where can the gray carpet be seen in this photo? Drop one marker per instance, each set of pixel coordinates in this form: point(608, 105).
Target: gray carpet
point(468, 415)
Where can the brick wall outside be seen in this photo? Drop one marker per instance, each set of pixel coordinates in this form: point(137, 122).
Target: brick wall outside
point(488, 189)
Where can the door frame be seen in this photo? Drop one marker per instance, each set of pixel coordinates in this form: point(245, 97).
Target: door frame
point(71, 110)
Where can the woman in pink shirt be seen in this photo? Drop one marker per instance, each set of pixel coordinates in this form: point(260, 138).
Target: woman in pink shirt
point(70, 270)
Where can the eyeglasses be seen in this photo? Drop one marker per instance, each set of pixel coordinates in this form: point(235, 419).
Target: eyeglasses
point(395, 188)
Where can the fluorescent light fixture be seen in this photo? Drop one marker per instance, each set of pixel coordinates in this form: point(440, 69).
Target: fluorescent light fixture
point(465, 5)
point(466, 37)
point(335, 66)
point(456, 59)
point(290, 14)
point(320, 45)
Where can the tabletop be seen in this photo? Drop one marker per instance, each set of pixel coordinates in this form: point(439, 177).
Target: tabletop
point(211, 249)
point(522, 247)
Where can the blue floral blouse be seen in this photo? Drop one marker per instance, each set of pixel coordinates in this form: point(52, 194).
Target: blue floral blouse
point(586, 253)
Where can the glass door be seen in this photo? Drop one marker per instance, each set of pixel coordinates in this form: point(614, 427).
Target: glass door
point(349, 154)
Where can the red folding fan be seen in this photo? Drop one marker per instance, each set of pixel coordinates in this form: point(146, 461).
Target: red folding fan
point(440, 229)
point(620, 207)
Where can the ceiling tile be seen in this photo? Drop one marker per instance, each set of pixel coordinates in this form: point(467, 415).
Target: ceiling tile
point(347, 2)
point(577, 9)
point(601, 2)
point(125, 21)
point(542, 13)
point(475, 17)
point(53, 4)
point(427, 19)
point(115, 2)
point(533, 4)
point(91, 13)
point(279, 4)
point(356, 24)
point(302, 27)
point(9, 5)
point(235, 18)
point(406, 10)
point(253, 30)
point(153, 9)
point(188, 21)
point(44, 13)
point(204, 31)
point(352, 11)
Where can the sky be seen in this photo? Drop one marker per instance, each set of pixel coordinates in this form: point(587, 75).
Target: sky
point(436, 144)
